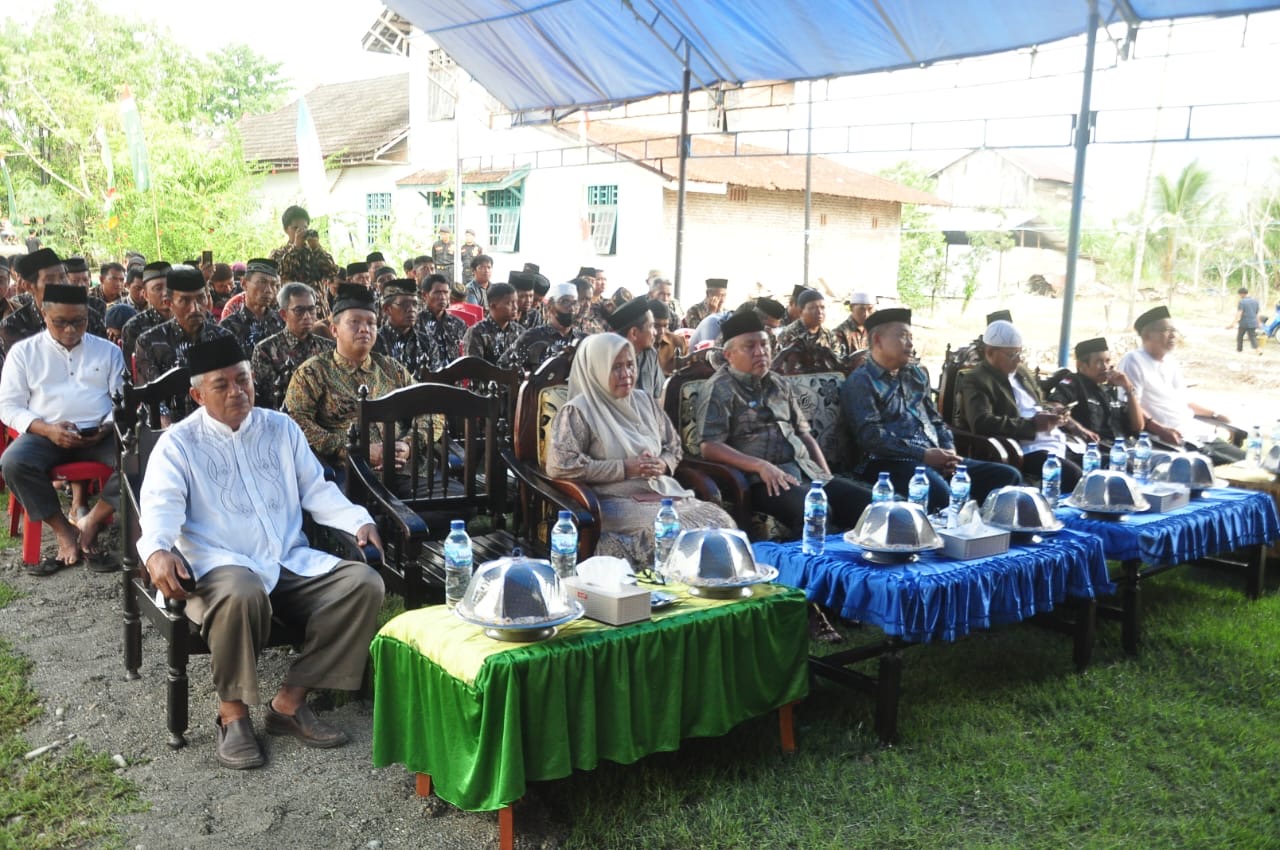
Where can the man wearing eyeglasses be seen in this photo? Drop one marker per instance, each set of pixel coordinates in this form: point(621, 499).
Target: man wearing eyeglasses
point(275, 358)
point(1001, 398)
point(165, 346)
point(399, 337)
point(547, 340)
point(1157, 381)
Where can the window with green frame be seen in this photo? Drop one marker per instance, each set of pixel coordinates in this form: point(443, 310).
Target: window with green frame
point(602, 214)
point(377, 211)
point(504, 217)
point(441, 209)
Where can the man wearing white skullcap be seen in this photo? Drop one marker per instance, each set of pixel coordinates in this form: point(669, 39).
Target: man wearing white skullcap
point(1001, 398)
point(540, 344)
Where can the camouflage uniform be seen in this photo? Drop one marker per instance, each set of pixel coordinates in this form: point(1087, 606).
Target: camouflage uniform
point(275, 359)
point(446, 335)
point(797, 332)
point(28, 321)
point(592, 322)
point(697, 313)
point(851, 337)
point(165, 347)
point(533, 347)
point(304, 265)
point(250, 329)
point(413, 349)
point(488, 341)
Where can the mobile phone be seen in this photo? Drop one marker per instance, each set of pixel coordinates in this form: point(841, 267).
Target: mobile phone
point(206, 258)
point(91, 431)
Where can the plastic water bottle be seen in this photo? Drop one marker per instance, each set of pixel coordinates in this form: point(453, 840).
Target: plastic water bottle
point(1254, 446)
point(882, 491)
point(457, 563)
point(564, 546)
point(815, 520)
point(1051, 479)
point(666, 528)
point(959, 488)
point(1119, 460)
point(1142, 458)
point(918, 489)
point(1092, 458)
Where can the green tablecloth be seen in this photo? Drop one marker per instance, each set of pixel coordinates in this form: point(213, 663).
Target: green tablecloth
point(484, 717)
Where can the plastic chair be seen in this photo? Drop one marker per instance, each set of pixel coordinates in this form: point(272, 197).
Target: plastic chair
point(82, 470)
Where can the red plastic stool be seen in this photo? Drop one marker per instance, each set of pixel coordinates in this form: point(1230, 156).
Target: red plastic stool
point(81, 470)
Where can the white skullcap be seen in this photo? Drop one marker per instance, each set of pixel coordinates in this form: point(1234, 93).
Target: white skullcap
point(560, 290)
point(1002, 334)
point(861, 298)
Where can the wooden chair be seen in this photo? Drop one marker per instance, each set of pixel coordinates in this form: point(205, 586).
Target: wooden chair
point(969, 444)
point(412, 509)
point(139, 410)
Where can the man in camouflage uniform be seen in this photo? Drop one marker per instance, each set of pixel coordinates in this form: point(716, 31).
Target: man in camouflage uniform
point(37, 270)
point(490, 338)
point(296, 259)
point(470, 250)
point(165, 346)
point(540, 344)
point(445, 331)
point(276, 357)
point(159, 311)
point(399, 337)
point(850, 334)
point(808, 328)
point(257, 318)
point(712, 303)
point(442, 253)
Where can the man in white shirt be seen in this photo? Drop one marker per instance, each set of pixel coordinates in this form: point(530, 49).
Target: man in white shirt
point(1157, 382)
point(56, 393)
point(227, 487)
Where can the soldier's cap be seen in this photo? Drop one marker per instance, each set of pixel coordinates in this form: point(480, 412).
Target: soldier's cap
point(628, 316)
point(183, 278)
point(354, 296)
point(808, 297)
point(772, 309)
point(399, 286)
point(717, 283)
point(1152, 316)
point(999, 316)
point(375, 257)
point(659, 310)
point(500, 290)
point(1090, 346)
point(586, 271)
point(29, 266)
point(61, 293)
point(885, 317)
point(357, 268)
point(746, 322)
point(151, 271)
point(863, 298)
point(262, 265)
point(218, 353)
point(75, 264)
point(522, 281)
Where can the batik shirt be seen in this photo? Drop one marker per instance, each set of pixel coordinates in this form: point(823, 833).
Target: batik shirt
point(136, 327)
point(165, 347)
point(891, 415)
point(759, 417)
point(304, 265)
point(275, 359)
point(533, 347)
point(446, 334)
point(850, 336)
point(412, 348)
point(797, 332)
point(250, 329)
point(28, 321)
point(697, 313)
point(488, 341)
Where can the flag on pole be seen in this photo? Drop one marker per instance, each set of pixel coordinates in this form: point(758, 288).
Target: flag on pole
point(315, 188)
point(132, 121)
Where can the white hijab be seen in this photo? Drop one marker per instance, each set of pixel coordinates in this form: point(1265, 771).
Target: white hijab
point(625, 427)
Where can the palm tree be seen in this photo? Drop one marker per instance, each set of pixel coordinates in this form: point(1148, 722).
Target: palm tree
point(1180, 206)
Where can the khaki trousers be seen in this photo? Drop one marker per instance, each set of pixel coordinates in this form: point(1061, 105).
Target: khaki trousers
point(339, 609)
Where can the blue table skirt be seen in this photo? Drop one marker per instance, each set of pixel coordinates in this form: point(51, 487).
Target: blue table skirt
point(940, 598)
point(1220, 521)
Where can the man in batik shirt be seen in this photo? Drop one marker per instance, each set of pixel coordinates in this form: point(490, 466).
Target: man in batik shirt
point(400, 337)
point(443, 329)
point(165, 346)
point(276, 357)
point(490, 338)
point(540, 344)
point(257, 317)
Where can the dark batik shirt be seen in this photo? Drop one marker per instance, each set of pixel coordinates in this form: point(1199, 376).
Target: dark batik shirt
point(303, 265)
point(412, 348)
point(250, 329)
point(446, 334)
point(759, 417)
point(850, 336)
point(697, 313)
point(891, 415)
point(135, 328)
point(537, 345)
point(593, 322)
point(488, 341)
point(28, 321)
point(1101, 408)
point(165, 347)
point(275, 359)
point(797, 332)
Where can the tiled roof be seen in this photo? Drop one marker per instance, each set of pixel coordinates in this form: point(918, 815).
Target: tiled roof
point(355, 120)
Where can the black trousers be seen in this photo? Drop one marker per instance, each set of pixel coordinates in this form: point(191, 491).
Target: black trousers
point(26, 464)
point(846, 499)
point(1253, 337)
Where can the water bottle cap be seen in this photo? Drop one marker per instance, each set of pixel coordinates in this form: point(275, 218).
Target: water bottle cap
point(566, 515)
point(667, 503)
point(960, 467)
point(815, 485)
point(919, 470)
point(1142, 435)
point(1091, 446)
point(884, 476)
point(458, 524)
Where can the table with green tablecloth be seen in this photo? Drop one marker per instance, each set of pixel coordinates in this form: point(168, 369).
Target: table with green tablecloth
point(482, 717)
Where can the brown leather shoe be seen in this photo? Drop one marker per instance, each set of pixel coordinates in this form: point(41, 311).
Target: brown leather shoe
point(237, 746)
point(306, 727)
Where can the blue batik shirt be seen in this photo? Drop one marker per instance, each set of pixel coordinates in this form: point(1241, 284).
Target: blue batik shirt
point(891, 415)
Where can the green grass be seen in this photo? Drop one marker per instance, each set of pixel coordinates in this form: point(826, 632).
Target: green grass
point(64, 798)
point(1003, 746)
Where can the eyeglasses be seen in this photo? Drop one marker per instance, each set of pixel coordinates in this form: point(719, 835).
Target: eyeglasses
point(301, 310)
point(1011, 353)
point(68, 324)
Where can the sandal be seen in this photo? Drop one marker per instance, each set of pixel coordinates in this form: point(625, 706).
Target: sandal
point(46, 567)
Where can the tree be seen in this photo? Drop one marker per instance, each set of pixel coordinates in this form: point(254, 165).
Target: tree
point(982, 244)
point(1181, 205)
point(921, 258)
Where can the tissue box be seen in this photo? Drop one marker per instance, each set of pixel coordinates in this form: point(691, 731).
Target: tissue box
point(617, 605)
point(966, 547)
point(1166, 497)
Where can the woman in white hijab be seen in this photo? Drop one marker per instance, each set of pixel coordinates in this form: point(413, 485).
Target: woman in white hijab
point(623, 444)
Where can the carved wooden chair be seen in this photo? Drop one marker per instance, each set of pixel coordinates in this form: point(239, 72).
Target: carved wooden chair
point(969, 444)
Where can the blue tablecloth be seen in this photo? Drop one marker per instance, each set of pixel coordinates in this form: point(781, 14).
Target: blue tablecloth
point(1220, 521)
point(940, 598)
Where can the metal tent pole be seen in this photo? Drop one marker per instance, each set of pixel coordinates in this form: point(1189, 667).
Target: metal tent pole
point(684, 162)
point(1083, 126)
point(808, 181)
